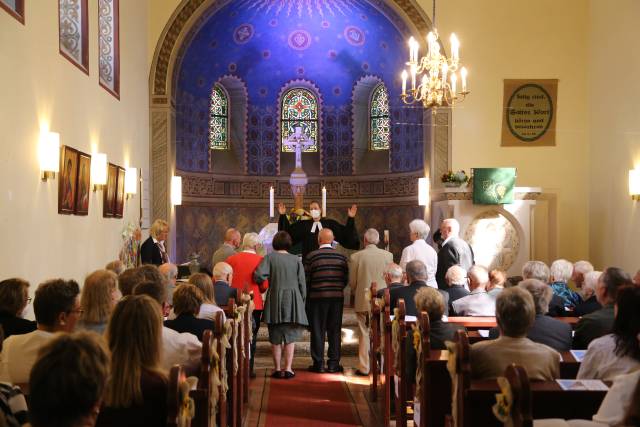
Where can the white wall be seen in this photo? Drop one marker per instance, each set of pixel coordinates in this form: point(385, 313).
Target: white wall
point(39, 88)
point(615, 132)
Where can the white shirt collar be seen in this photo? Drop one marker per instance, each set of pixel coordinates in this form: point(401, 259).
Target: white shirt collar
point(447, 240)
point(250, 251)
point(154, 240)
point(326, 245)
point(316, 225)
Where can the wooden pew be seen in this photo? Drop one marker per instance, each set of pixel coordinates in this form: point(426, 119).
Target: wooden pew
point(402, 392)
point(473, 323)
point(177, 396)
point(374, 342)
point(234, 378)
point(386, 377)
point(475, 398)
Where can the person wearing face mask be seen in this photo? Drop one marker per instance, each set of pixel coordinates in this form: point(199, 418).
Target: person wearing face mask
point(306, 231)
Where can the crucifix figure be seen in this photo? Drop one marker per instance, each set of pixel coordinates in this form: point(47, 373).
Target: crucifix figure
point(298, 142)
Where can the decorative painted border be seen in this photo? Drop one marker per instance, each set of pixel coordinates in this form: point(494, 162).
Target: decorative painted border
point(85, 37)
point(17, 13)
point(116, 49)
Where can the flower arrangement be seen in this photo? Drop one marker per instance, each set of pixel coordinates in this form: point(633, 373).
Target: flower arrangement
point(455, 179)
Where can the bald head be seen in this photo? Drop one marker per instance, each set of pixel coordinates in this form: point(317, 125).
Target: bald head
point(325, 237)
point(169, 271)
point(232, 237)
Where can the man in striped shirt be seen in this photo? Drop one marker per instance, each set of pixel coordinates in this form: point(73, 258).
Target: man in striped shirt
point(327, 276)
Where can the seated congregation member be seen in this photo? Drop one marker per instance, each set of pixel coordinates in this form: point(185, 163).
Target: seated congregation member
point(456, 278)
point(478, 302)
point(515, 313)
point(99, 296)
point(580, 271)
point(57, 309)
point(636, 278)
point(545, 329)
point(209, 306)
point(229, 246)
point(222, 289)
point(13, 406)
point(327, 274)
point(186, 304)
point(136, 393)
point(600, 322)
point(116, 266)
point(153, 250)
point(14, 297)
point(68, 381)
point(177, 348)
point(618, 352)
point(393, 278)
point(366, 266)
point(421, 250)
point(170, 273)
point(561, 271)
point(539, 270)
point(129, 279)
point(243, 265)
point(589, 302)
point(416, 279)
point(497, 280)
point(454, 251)
point(284, 308)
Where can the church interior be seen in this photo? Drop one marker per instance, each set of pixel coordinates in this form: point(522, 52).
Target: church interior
point(212, 115)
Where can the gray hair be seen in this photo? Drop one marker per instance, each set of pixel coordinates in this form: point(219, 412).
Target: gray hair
point(372, 236)
point(590, 280)
point(394, 271)
point(582, 267)
point(221, 269)
point(116, 266)
point(541, 293)
point(561, 270)
point(478, 274)
point(419, 227)
point(456, 275)
point(416, 270)
point(168, 270)
point(250, 240)
point(515, 311)
point(453, 224)
point(536, 270)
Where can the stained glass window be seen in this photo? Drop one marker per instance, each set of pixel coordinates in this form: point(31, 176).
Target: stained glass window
point(219, 119)
point(380, 123)
point(300, 109)
point(73, 22)
point(108, 40)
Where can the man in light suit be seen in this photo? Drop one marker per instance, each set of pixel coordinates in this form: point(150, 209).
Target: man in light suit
point(367, 265)
point(454, 251)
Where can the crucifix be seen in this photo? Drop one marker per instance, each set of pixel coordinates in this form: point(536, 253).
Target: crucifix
point(298, 180)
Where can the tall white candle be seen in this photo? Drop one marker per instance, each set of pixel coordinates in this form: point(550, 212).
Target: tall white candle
point(271, 203)
point(324, 201)
point(404, 82)
point(463, 74)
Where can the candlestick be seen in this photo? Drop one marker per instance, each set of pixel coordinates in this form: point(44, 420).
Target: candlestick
point(271, 203)
point(324, 201)
point(404, 82)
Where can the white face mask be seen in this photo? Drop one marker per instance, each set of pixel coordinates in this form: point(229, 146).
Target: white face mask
point(315, 213)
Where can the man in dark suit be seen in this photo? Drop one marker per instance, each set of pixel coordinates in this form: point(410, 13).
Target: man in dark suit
point(392, 277)
point(454, 251)
point(417, 278)
point(545, 329)
point(222, 290)
point(153, 250)
point(327, 275)
point(306, 230)
point(187, 300)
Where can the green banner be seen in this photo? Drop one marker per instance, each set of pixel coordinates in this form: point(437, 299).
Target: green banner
point(493, 186)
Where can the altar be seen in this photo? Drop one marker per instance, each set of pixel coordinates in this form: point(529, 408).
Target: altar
point(502, 236)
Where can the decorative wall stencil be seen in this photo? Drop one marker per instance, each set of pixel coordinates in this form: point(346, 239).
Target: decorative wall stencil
point(380, 123)
point(73, 20)
point(301, 7)
point(299, 40)
point(354, 35)
point(109, 45)
point(243, 33)
point(299, 109)
point(14, 8)
point(494, 239)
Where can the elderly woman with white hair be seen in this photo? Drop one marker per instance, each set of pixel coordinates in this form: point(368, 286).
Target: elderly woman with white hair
point(420, 250)
point(561, 271)
point(589, 302)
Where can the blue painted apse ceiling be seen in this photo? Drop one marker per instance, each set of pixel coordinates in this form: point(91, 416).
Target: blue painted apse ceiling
point(267, 44)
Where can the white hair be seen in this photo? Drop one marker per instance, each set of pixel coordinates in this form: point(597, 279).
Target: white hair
point(561, 270)
point(250, 240)
point(394, 271)
point(479, 274)
point(456, 275)
point(590, 280)
point(583, 267)
point(372, 236)
point(420, 228)
point(536, 270)
point(454, 225)
point(221, 269)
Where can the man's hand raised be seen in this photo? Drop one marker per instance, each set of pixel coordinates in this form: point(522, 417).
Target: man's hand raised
point(282, 209)
point(352, 211)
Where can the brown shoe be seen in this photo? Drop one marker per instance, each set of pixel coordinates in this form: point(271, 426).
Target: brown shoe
point(359, 373)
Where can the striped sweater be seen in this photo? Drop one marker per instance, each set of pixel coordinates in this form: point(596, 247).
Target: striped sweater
point(327, 273)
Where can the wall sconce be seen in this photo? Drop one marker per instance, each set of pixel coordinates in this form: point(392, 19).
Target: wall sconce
point(176, 190)
point(130, 181)
point(423, 191)
point(98, 170)
point(634, 184)
point(49, 154)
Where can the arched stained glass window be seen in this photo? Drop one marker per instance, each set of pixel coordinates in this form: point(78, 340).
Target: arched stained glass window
point(299, 109)
point(219, 119)
point(380, 123)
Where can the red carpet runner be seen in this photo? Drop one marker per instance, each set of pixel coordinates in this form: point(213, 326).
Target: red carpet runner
point(311, 400)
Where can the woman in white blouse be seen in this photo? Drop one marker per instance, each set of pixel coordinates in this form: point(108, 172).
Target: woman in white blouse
point(420, 250)
point(619, 352)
